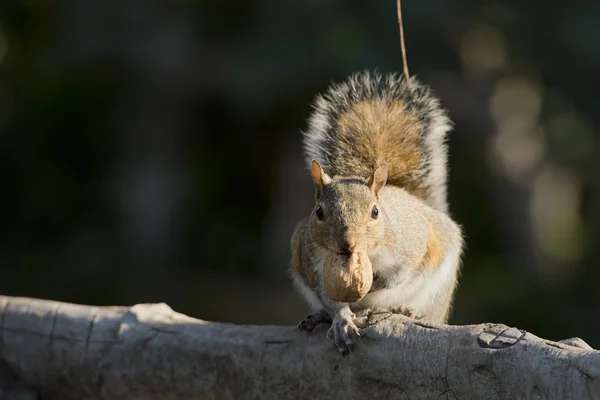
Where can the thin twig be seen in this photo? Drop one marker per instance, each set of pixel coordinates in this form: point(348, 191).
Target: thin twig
point(404, 62)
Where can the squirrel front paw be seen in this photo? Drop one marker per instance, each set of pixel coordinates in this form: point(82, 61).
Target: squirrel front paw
point(344, 334)
point(312, 320)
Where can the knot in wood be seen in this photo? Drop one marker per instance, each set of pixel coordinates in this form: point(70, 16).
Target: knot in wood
point(499, 337)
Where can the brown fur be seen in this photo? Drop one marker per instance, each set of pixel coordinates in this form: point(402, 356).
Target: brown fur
point(299, 265)
point(297, 257)
point(376, 132)
point(435, 249)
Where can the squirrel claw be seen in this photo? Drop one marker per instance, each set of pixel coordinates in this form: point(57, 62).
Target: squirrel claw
point(344, 334)
point(313, 320)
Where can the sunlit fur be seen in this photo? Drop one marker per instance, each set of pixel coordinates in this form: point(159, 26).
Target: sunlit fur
point(371, 119)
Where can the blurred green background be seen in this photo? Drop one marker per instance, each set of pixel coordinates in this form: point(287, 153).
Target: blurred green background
point(150, 150)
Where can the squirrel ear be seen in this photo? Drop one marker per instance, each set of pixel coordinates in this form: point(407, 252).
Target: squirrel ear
point(379, 178)
point(319, 176)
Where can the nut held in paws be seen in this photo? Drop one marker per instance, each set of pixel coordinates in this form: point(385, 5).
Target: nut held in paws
point(347, 277)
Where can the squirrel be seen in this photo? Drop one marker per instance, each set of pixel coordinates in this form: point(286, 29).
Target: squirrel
point(376, 148)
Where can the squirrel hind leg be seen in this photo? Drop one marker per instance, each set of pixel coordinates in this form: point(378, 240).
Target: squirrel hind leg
point(314, 319)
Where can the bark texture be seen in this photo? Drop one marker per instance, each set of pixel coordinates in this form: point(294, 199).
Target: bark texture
point(53, 350)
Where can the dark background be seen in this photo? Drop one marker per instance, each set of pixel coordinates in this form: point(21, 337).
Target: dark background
point(150, 150)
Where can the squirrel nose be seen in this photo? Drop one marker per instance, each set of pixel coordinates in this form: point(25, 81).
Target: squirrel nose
point(347, 243)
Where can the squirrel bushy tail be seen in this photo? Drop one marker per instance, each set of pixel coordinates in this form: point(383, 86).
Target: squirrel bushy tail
point(370, 120)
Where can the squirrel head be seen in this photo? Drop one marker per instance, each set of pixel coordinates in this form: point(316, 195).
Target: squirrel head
point(347, 217)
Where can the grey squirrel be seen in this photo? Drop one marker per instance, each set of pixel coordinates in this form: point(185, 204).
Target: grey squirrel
point(376, 149)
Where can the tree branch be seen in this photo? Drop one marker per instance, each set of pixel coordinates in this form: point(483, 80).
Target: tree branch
point(148, 351)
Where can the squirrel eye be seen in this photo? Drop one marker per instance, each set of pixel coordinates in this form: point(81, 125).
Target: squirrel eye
point(320, 214)
point(374, 212)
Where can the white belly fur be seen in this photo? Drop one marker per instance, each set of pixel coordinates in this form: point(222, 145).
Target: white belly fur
point(416, 288)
